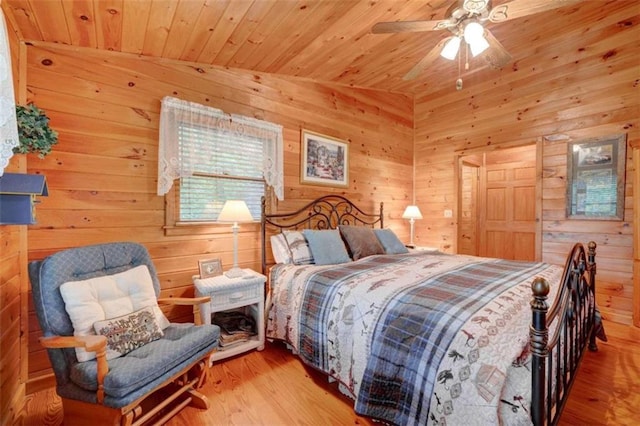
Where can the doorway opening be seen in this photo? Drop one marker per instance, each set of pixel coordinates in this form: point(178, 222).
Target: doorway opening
point(499, 204)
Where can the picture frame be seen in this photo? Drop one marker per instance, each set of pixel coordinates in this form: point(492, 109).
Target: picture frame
point(210, 268)
point(324, 160)
point(596, 178)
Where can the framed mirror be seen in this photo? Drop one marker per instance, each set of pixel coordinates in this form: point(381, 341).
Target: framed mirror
point(596, 178)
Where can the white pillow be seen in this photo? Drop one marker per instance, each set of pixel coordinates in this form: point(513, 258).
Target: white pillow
point(280, 249)
point(107, 297)
point(299, 248)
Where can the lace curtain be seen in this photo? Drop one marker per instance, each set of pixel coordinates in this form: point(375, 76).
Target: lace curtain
point(172, 165)
point(8, 123)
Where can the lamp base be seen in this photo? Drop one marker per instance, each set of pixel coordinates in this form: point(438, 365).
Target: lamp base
point(234, 273)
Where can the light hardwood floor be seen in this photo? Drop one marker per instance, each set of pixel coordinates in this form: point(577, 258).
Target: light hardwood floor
point(272, 387)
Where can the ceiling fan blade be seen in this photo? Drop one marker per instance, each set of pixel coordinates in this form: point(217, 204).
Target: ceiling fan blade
point(496, 55)
point(410, 26)
point(424, 62)
point(519, 8)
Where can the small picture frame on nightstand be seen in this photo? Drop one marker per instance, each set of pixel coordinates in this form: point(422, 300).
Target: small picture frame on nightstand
point(210, 268)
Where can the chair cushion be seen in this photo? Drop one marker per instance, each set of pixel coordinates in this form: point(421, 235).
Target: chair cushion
point(110, 296)
point(129, 332)
point(148, 363)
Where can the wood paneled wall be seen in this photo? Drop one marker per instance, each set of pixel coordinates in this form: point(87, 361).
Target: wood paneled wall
point(614, 238)
point(13, 284)
point(102, 175)
point(585, 85)
point(13, 298)
point(12, 385)
point(636, 234)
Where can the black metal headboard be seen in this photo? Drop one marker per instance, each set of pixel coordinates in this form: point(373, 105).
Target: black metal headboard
point(326, 212)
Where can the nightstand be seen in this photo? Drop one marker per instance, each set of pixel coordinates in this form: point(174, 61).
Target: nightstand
point(245, 294)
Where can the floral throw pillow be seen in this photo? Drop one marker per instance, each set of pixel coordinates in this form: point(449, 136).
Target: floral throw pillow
point(129, 332)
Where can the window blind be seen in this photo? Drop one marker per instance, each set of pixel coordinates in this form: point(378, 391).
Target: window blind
point(226, 165)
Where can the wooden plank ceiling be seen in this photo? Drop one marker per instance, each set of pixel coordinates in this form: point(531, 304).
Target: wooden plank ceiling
point(324, 40)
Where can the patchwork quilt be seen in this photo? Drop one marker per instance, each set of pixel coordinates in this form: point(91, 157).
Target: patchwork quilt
point(418, 338)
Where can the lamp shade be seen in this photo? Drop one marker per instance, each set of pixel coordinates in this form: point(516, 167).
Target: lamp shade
point(412, 212)
point(479, 46)
point(473, 31)
point(235, 211)
point(474, 36)
point(451, 48)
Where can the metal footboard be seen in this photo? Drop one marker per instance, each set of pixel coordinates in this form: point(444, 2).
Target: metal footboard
point(560, 334)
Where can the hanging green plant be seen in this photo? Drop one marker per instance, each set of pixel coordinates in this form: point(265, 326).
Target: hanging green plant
point(34, 133)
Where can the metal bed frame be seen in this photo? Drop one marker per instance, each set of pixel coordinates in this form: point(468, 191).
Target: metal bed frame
point(326, 212)
point(559, 335)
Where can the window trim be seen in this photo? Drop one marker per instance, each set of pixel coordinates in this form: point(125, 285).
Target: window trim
point(174, 227)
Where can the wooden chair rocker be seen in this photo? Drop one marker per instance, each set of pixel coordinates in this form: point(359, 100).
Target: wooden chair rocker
point(116, 358)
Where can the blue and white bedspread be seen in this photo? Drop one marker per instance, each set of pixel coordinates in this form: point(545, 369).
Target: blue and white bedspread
point(419, 338)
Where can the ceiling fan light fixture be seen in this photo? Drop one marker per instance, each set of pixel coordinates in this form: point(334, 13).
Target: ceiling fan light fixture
point(473, 31)
point(478, 46)
point(450, 49)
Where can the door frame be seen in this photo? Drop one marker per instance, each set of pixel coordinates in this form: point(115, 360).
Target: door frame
point(480, 152)
point(476, 162)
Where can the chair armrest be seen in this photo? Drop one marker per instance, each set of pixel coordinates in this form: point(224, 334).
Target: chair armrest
point(90, 343)
point(185, 300)
point(201, 307)
point(97, 344)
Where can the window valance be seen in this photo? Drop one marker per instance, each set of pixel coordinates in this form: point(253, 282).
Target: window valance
point(174, 162)
point(8, 122)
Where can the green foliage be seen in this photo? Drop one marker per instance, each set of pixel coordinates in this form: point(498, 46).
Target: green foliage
point(34, 132)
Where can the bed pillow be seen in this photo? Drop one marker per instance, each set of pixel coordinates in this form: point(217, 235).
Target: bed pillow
point(106, 297)
point(361, 241)
point(129, 332)
point(298, 248)
point(390, 241)
point(280, 249)
point(327, 247)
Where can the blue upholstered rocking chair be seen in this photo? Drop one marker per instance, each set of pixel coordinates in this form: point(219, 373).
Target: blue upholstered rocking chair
point(152, 382)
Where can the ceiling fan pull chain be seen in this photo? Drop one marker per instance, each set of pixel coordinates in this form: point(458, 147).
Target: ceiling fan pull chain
point(459, 80)
point(466, 57)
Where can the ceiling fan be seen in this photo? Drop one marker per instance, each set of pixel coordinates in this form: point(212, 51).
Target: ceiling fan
point(465, 19)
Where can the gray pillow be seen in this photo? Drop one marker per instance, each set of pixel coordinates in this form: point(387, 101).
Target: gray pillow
point(390, 241)
point(326, 247)
point(361, 240)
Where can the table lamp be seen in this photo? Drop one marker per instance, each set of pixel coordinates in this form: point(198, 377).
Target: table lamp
point(235, 211)
point(412, 213)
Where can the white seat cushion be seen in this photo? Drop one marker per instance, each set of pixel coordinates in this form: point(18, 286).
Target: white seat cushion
point(107, 297)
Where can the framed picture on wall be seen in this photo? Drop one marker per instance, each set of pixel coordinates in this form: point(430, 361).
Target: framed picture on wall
point(325, 160)
point(210, 268)
point(596, 178)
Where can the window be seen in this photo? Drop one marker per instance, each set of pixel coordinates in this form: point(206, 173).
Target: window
point(216, 157)
point(229, 168)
